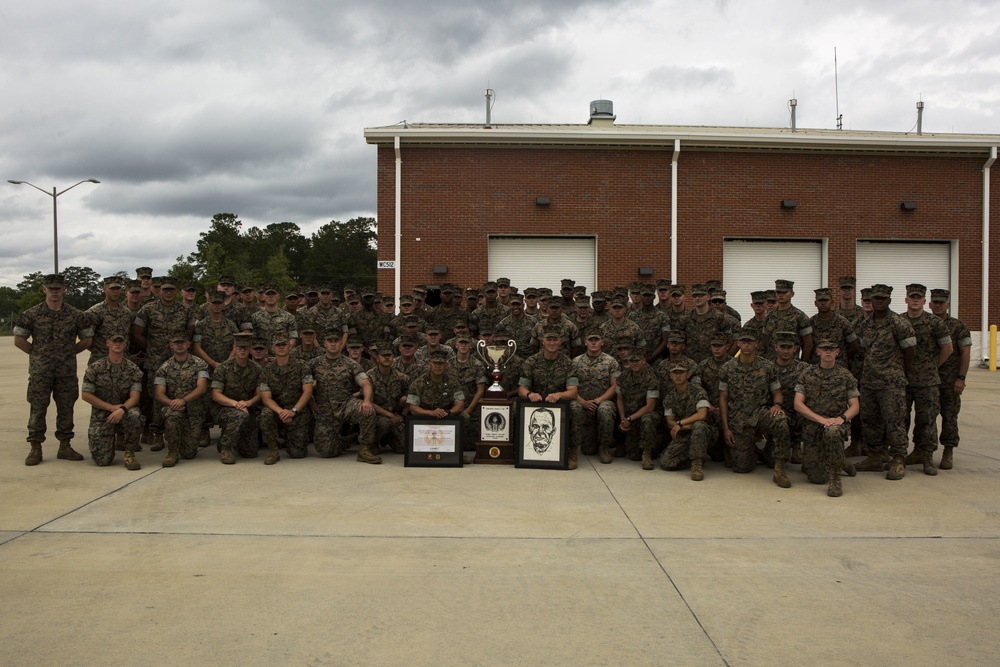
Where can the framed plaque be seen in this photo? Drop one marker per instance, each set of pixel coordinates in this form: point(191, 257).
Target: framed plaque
point(494, 423)
point(543, 432)
point(433, 443)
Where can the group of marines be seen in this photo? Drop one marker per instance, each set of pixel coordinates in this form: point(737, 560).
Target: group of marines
point(646, 372)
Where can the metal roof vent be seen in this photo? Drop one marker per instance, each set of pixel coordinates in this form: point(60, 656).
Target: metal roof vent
point(602, 111)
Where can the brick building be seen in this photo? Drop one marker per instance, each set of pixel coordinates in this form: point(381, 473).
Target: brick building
point(607, 204)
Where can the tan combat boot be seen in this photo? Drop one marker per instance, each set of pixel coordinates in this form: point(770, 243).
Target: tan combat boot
point(226, 455)
point(68, 453)
point(835, 490)
point(130, 462)
point(35, 455)
point(205, 439)
point(119, 442)
point(871, 464)
point(947, 459)
point(273, 456)
point(897, 469)
point(647, 460)
point(572, 462)
point(157, 443)
point(366, 455)
point(927, 458)
point(605, 453)
point(854, 449)
point(780, 478)
point(849, 469)
point(795, 456)
point(915, 457)
point(696, 470)
point(173, 453)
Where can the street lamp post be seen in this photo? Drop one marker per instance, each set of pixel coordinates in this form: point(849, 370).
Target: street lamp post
point(55, 214)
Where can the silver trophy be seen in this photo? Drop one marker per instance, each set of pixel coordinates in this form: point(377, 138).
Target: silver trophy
point(496, 356)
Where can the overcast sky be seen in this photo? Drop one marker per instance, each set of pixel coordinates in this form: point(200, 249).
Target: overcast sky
point(184, 109)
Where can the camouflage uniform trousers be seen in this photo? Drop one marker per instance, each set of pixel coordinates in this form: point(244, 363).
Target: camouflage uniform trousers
point(155, 422)
point(239, 430)
point(925, 403)
point(951, 405)
point(641, 437)
point(470, 429)
point(296, 434)
point(823, 449)
point(42, 387)
point(592, 429)
point(386, 433)
point(689, 445)
point(182, 428)
point(102, 434)
point(883, 419)
point(329, 424)
point(746, 433)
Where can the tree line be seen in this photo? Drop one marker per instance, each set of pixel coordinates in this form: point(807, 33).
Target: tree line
point(338, 253)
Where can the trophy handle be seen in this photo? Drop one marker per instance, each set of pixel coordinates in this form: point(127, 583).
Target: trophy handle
point(511, 348)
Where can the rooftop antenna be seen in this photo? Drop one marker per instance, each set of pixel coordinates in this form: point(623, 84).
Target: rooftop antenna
point(920, 117)
point(489, 106)
point(792, 103)
point(836, 91)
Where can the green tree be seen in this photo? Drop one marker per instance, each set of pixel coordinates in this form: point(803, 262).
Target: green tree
point(343, 253)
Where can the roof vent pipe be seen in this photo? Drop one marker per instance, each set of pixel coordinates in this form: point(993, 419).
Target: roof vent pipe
point(489, 106)
point(920, 117)
point(602, 110)
point(792, 103)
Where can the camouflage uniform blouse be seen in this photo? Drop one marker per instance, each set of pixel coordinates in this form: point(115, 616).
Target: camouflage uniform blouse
point(546, 377)
point(285, 382)
point(237, 382)
point(750, 387)
point(884, 343)
point(595, 374)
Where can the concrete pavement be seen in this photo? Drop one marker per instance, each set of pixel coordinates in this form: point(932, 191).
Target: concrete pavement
point(334, 562)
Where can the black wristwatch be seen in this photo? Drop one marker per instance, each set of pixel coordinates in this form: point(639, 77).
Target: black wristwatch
point(628, 419)
point(962, 378)
point(844, 417)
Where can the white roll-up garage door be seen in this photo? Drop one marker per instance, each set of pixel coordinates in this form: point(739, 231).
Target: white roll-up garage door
point(901, 263)
point(749, 265)
point(543, 261)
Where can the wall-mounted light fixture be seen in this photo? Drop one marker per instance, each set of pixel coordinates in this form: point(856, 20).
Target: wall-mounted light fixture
point(542, 201)
point(788, 204)
point(440, 269)
point(908, 206)
point(645, 270)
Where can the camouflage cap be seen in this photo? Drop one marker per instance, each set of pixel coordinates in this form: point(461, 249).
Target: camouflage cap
point(354, 297)
point(647, 288)
point(406, 300)
point(134, 286)
point(258, 343)
point(419, 291)
point(144, 272)
point(179, 337)
point(503, 282)
point(677, 289)
point(699, 289)
point(516, 298)
point(432, 330)
point(354, 342)
point(760, 296)
point(437, 356)
point(489, 287)
point(530, 293)
point(677, 337)
point(113, 281)
point(117, 334)
point(594, 335)
point(305, 324)
point(226, 280)
point(410, 320)
point(784, 285)
point(662, 284)
point(619, 300)
point(567, 283)
point(216, 297)
point(823, 294)
point(367, 292)
point(746, 333)
point(713, 284)
point(188, 285)
point(555, 301)
point(598, 297)
point(247, 288)
point(719, 295)
point(847, 281)
point(940, 295)
point(269, 289)
point(545, 292)
point(636, 354)
point(447, 288)
point(243, 339)
point(552, 331)
point(157, 281)
point(881, 290)
point(168, 281)
point(582, 302)
point(580, 289)
point(350, 288)
point(719, 338)
point(333, 334)
point(407, 339)
point(771, 295)
point(785, 338)
point(486, 330)
point(678, 365)
point(826, 344)
point(866, 293)
point(279, 337)
point(463, 338)
point(917, 290)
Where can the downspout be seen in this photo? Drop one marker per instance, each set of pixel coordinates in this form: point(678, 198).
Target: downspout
point(984, 324)
point(399, 218)
point(673, 211)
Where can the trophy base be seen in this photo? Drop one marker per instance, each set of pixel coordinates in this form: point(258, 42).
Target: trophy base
point(494, 452)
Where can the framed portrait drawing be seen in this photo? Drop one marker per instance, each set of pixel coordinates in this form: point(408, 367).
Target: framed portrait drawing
point(542, 435)
point(434, 443)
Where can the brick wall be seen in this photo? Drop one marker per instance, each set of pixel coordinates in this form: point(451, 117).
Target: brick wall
point(453, 198)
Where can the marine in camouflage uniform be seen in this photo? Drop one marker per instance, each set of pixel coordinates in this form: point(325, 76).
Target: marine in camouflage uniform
point(826, 397)
point(153, 327)
point(707, 371)
point(677, 312)
point(338, 378)
point(828, 325)
point(449, 314)
point(686, 408)
point(568, 332)
point(389, 388)
point(703, 322)
point(750, 400)
point(236, 400)
point(620, 327)
point(518, 325)
point(53, 328)
point(308, 348)
point(592, 414)
point(888, 341)
point(758, 302)
point(637, 394)
point(854, 314)
point(472, 374)
point(180, 385)
point(923, 380)
point(654, 324)
point(368, 324)
point(549, 376)
point(325, 315)
point(271, 319)
point(952, 374)
point(488, 315)
point(107, 317)
point(790, 369)
point(213, 334)
point(286, 387)
point(787, 317)
point(112, 385)
point(439, 395)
